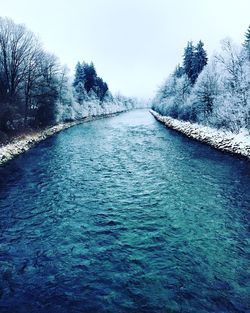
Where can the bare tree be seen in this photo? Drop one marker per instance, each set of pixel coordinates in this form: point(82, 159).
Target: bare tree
point(29, 77)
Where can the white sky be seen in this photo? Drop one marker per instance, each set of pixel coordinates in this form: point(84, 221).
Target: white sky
point(134, 44)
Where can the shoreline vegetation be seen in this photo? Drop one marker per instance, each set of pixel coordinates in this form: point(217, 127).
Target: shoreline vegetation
point(38, 92)
point(209, 99)
point(238, 144)
point(24, 142)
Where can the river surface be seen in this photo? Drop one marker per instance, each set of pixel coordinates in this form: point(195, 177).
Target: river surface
point(124, 215)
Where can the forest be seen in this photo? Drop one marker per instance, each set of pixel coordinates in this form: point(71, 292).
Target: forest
point(36, 90)
point(213, 92)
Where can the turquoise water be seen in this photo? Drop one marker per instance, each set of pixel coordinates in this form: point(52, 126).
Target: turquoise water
point(124, 215)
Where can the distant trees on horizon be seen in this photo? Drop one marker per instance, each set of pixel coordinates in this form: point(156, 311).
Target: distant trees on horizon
point(214, 93)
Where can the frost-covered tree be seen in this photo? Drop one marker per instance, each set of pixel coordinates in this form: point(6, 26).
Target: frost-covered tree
point(79, 74)
point(29, 79)
point(179, 71)
point(232, 62)
point(204, 94)
point(86, 82)
point(80, 93)
point(217, 95)
point(47, 94)
point(172, 95)
point(234, 68)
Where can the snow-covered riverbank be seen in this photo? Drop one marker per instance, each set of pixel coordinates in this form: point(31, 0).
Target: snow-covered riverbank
point(25, 142)
point(225, 141)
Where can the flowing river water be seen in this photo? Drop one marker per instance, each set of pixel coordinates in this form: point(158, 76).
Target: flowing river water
point(124, 215)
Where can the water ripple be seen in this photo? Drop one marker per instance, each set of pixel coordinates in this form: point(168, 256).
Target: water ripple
point(123, 215)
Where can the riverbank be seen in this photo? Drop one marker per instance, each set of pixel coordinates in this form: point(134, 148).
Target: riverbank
point(225, 141)
point(24, 142)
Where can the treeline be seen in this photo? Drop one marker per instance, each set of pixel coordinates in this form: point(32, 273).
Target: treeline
point(36, 90)
point(215, 92)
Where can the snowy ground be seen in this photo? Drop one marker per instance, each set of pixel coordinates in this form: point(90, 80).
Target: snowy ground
point(225, 141)
point(25, 142)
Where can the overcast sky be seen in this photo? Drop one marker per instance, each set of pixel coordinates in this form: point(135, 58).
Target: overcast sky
point(134, 44)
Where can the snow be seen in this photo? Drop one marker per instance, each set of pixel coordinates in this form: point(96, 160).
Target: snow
point(222, 140)
point(25, 142)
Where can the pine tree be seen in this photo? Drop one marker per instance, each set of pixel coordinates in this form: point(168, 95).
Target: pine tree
point(199, 61)
point(79, 74)
point(87, 82)
point(80, 93)
point(188, 60)
point(247, 41)
point(247, 35)
point(100, 88)
point(179, 71)
point(90, 76)
point(195, 58)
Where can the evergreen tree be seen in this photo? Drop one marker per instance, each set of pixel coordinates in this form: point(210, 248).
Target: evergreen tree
point(79, 74)
point(247, 41)
point(188, 60)
point(87, 82)
point(179, 71)
point(247, 35)
point(100, 88)
point(199, 61)
point(195, 58)
point(80, 93)
point(90, 76)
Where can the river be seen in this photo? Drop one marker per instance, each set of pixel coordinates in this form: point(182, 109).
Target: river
point(124, 215)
